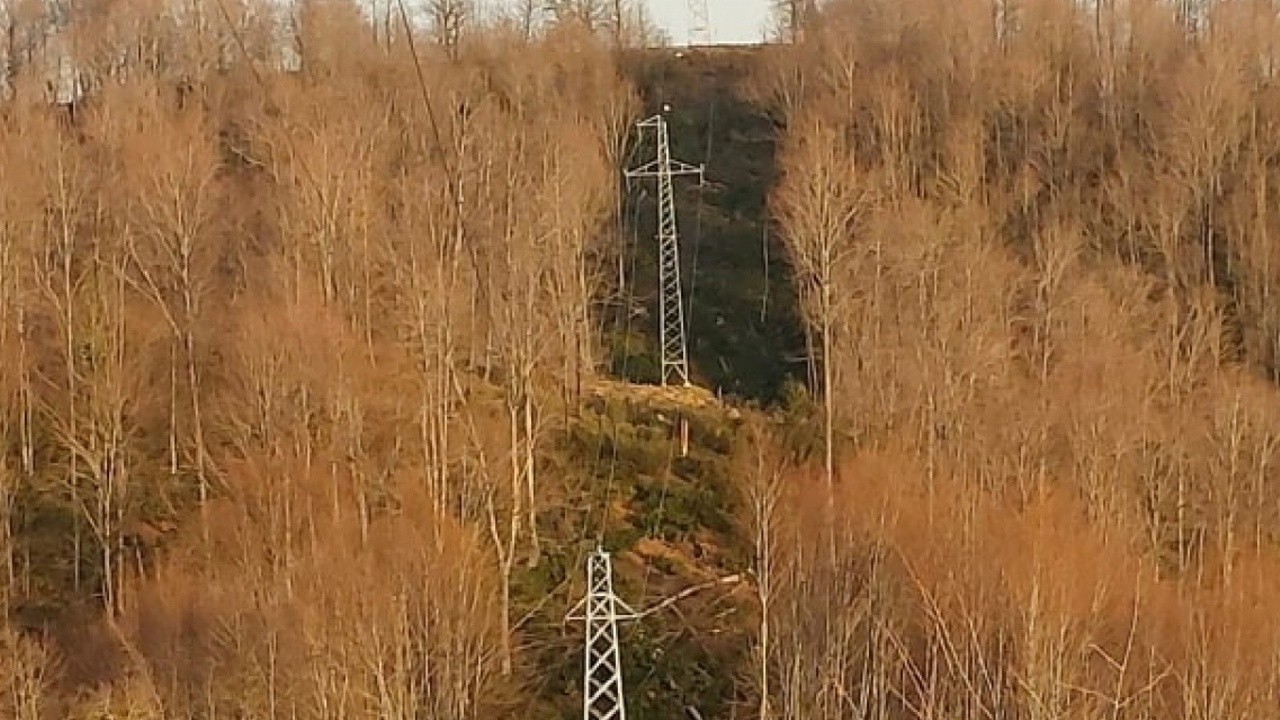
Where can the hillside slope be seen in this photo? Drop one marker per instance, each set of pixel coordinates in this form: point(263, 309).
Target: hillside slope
point(671, 522)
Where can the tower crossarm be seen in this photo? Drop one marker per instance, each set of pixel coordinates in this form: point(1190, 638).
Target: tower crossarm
point(652, 170)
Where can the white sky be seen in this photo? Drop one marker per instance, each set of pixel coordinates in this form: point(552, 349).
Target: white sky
point(732, 21)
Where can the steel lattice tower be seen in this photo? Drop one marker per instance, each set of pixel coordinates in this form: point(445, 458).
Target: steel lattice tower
point(699, 23)
point(675, 356)
point(602, 697)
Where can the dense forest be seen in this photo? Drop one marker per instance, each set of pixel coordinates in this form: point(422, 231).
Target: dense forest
point(326, 355)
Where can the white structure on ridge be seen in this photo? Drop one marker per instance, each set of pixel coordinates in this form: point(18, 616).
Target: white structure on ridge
point(699, 23)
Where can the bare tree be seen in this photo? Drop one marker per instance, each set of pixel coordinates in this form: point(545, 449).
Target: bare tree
point(448, 20)
point(527, 13)
point(99, 436)
point(16, 399)
point(590, 14)
point(172, 167)
point(59, 276)
point(764, 496)
point(27, 669)
point(792, 16)
point(819, 204)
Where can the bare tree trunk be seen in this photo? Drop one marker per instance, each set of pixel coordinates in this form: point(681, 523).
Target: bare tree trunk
point(65, 298)
point(197, 420)
point(828, 390)
point(535, 550)
point(26, 424)
point(765, 491)
point(173, 408)
point(8, 492)
point(505, 548)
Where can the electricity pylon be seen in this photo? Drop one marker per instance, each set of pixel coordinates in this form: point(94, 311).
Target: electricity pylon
point(675, 354)
point(699, 23)
point(602, 697)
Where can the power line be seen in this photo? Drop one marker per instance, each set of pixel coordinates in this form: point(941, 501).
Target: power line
point(697, 230)
point(628, 300)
